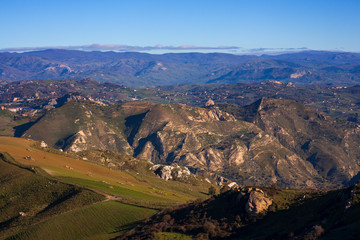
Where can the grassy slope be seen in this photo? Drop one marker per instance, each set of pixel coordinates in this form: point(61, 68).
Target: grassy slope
point(99, 177)
point(100, 221)
point(36, 195)
point(51, 124)
point(7, 123)
point(173, 236)
point(127, 187)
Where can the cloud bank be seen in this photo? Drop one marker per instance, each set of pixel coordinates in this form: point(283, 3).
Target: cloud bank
point(161, 49)
point(118, 47)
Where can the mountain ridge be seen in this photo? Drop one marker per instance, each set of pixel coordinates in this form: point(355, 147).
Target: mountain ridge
point(142, 69)
point(263, 148)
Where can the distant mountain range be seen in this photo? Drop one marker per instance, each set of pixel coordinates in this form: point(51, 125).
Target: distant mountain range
point(144, 70)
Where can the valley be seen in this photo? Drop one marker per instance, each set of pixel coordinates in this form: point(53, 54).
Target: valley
point(163, 161)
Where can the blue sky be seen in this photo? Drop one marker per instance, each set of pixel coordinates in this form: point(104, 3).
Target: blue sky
point(243, 26)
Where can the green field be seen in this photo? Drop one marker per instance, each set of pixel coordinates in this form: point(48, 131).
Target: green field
point(28, 196)
point(126, 195)
point(172, 236)
point(99, 221)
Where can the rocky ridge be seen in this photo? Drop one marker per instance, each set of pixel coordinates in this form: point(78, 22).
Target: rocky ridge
point(268, 142)
point(331, 146)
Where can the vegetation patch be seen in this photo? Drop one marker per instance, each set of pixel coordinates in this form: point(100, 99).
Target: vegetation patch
point(99, 221)
point(173, 236)
point(294, 214)
point(28, 196)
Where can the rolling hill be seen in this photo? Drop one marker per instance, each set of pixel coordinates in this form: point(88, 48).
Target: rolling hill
point(144, 70)
point(43, 189)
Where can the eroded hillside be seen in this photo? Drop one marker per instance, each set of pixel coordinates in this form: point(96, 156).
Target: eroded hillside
point(269, 142)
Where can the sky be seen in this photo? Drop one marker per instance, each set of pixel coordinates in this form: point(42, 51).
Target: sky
point(235, 26)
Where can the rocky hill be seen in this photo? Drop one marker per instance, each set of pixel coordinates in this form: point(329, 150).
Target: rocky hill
point(255, 213)
point(331, 146)
point(269, 142)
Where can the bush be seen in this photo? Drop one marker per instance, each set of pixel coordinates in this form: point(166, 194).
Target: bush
point(202, 236)
point(212, 191)
point(314, 233)
point(209, 228)
point(166, 218)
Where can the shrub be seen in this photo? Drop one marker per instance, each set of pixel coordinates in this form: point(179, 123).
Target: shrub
point(209, 227)
point(212, 191)
point(314, 233)
point(166, 218)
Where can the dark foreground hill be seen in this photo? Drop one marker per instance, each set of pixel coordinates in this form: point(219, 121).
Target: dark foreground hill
point(269, 142)
point(254, 213)
point(141, 69)
point(29, 196)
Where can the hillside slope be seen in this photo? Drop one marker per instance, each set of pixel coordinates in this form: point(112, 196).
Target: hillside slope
point(28, 197)
point(292, 214)
point(270, 141)
point(46, 192)
point(331, 146)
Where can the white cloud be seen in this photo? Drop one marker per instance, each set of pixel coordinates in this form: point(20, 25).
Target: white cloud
point(119, 47)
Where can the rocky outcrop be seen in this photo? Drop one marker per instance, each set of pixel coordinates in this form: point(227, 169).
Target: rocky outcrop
point(209, 103)
point(219, 115)
point(258, 202)
point(173, 172)
point(43, 144)
point(77, 142)
point(233, 185)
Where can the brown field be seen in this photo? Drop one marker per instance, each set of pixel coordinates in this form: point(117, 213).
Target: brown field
point(101, 179)
point(58, 165)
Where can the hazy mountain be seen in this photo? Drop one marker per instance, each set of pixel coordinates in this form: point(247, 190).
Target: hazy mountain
point(142, 69)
